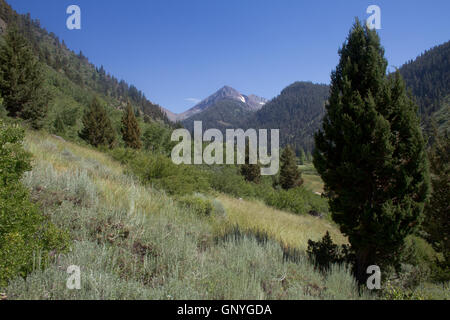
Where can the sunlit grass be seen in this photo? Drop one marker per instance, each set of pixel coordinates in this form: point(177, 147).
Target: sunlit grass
point(134, 242)
point(290, 229)
point(312, 180)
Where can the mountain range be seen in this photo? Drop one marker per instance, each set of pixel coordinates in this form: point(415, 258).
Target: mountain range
point(299, 109)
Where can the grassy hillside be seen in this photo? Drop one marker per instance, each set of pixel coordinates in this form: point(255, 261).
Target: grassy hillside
point(132, 241)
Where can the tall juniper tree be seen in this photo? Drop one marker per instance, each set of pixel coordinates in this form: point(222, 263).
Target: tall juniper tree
point(22, 81)
point(371, 154)
point(131, 133)
point(97, 129)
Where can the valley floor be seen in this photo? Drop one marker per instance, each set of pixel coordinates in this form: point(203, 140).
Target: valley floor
point(134, 242)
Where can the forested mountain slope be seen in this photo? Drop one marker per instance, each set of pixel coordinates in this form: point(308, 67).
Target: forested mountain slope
point(225, 114)
point(72, 79)
point(297, 112)
point(428, 77)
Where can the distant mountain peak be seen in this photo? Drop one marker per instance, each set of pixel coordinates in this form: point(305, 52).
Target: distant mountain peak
point(252, 102)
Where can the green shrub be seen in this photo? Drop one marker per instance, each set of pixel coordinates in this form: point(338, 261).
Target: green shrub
point(418, 262)
point(159, 171)
point(324, 253)
point(25, 234)
point(198, 203)
point(395, 292)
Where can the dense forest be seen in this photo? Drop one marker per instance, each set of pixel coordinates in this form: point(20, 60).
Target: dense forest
point(428, 77)
point(297, 111)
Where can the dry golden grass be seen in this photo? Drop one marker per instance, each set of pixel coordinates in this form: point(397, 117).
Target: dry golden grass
point(290, 229)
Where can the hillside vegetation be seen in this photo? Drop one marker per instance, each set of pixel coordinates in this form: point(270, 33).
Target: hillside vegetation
point(132, 241)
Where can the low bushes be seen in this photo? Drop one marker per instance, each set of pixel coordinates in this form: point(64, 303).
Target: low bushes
point(26, 236)
point(202, 205)
point(159, 171)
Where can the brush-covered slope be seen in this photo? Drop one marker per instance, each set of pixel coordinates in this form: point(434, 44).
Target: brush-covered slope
point(133, 242)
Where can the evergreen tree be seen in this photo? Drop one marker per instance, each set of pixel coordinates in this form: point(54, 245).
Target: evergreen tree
point(131, 132)
point(21, 80)
point(302, 156)
point(290, 176)
point(371, 154)
point(97, 129)
point(251, 172)
point(437, 220)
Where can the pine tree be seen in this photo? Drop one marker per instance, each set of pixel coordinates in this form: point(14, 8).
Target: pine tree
point(290, 176)
point(437, 220)
point(21, 80)
point(302, 156)
point(371, 154)
point(131, 133)
point(97, 129)
point(251, 172)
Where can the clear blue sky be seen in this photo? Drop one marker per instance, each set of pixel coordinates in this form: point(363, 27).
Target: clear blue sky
point(175, 50)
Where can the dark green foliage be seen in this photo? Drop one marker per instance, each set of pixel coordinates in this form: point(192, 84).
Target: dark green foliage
point(251, 172)
point(371, 154)
point(58, 125)
point(131, 133)
point(429, 78)
point(156, 139)
point(437, 212)
point(97, 129)
point(22, 81)
point(324, 253)
point(25, 234)
point(297, 112)
point(3, 112)
point(290, 176)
